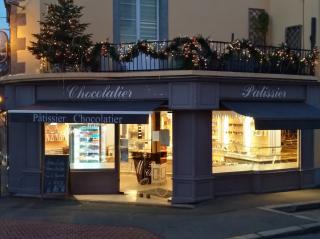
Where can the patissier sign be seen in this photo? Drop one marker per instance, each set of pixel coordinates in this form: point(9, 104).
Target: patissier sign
point(263, 92)
point(108, 92)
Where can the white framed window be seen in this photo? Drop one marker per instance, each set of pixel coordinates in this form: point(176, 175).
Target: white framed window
point(139, 20)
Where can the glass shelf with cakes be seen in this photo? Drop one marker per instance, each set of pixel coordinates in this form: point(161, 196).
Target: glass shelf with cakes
point(86, 148)
point(237, 146)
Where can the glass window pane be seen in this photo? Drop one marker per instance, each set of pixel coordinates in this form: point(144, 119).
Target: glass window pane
point(148, 20)
point(128, 21)
point(148, 2)
point(56, 138)
point(148, 13)
point(132, 2)
point(89, 146)
point(148, 25)
point(148, 32)
point(237, 146)
point(127, 11)
point(128, 31)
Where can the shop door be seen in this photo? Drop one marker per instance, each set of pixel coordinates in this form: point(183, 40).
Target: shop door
point(3, 154)
point(145, 158)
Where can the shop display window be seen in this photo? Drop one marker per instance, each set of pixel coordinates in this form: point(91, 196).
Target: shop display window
point(237, 146)
point(89, 146)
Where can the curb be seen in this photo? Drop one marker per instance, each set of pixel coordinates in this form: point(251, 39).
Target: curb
point(129, 203)
point(294, 207)
point(282, 232)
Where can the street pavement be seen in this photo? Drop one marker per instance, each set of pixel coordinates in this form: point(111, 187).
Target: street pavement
point(307, 236)
point(18, 229)
point(222, 217)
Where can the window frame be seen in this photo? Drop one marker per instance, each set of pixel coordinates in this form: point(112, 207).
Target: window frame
point(162, 20)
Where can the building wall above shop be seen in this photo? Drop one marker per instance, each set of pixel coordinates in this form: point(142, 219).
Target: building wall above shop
point(220, 20)
point(217, 19)
point(287, 13)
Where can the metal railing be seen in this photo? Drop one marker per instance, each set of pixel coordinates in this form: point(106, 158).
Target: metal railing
point(218, 56)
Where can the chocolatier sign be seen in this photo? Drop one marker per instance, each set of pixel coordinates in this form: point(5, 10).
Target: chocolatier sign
point(102, 91)
point(263, 92)
point(108, 92)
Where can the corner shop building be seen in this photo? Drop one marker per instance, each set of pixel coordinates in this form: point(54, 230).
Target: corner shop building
point(229, 135)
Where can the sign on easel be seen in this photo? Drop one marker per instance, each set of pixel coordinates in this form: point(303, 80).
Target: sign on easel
point(55, 175)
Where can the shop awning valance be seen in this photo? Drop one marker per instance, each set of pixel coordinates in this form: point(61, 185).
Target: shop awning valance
point(119, 112)
point(278, 115)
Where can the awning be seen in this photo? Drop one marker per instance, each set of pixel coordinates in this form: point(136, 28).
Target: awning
point(278, 115)
point(109, 112)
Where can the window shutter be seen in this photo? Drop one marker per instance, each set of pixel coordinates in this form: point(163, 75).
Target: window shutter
point(149, 19)
point(127, 20)
point(163, 20)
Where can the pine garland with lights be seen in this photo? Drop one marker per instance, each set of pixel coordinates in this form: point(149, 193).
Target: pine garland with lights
point(199, 53)
point(61, 41)
point(194, 52)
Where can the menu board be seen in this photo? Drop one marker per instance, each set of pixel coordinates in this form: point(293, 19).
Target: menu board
point(55, 175)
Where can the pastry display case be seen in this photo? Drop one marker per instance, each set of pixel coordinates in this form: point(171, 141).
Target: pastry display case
point(237, 146)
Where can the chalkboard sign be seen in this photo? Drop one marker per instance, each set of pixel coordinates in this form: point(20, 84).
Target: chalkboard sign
point(55, 175)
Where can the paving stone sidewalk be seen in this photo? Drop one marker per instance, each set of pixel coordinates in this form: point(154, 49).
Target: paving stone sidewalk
point(17, 229)
point(223, 217)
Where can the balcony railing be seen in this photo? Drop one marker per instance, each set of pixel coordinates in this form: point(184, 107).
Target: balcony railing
point(201, 54)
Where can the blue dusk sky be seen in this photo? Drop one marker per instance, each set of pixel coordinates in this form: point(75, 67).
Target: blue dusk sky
point(3, 20)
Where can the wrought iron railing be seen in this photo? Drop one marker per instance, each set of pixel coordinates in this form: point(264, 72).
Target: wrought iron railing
point(201, 54)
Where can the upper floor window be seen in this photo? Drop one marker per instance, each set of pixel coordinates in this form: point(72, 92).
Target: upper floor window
point(138, 19)
point(258, 26)
point(293, 36)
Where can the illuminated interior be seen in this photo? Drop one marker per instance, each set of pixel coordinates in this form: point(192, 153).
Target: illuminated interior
point(237, 146)
point(92, 146)
point(150, 143)
point(140, 137)
point(89, 146)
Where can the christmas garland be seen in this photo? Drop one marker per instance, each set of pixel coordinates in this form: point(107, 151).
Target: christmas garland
point(201, 53)
point(194, 51)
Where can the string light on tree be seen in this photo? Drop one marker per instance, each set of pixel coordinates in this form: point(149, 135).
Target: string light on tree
point(61, 41)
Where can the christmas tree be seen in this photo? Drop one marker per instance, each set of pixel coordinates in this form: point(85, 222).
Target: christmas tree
point(62, 41)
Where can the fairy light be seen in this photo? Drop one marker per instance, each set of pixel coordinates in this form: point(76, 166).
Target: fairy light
point(193, 52)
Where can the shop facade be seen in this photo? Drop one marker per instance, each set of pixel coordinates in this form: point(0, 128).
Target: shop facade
point(211, 135)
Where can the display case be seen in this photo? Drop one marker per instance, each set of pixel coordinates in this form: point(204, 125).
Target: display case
point(87, 143)
point(85, 146)
point(237, 146)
